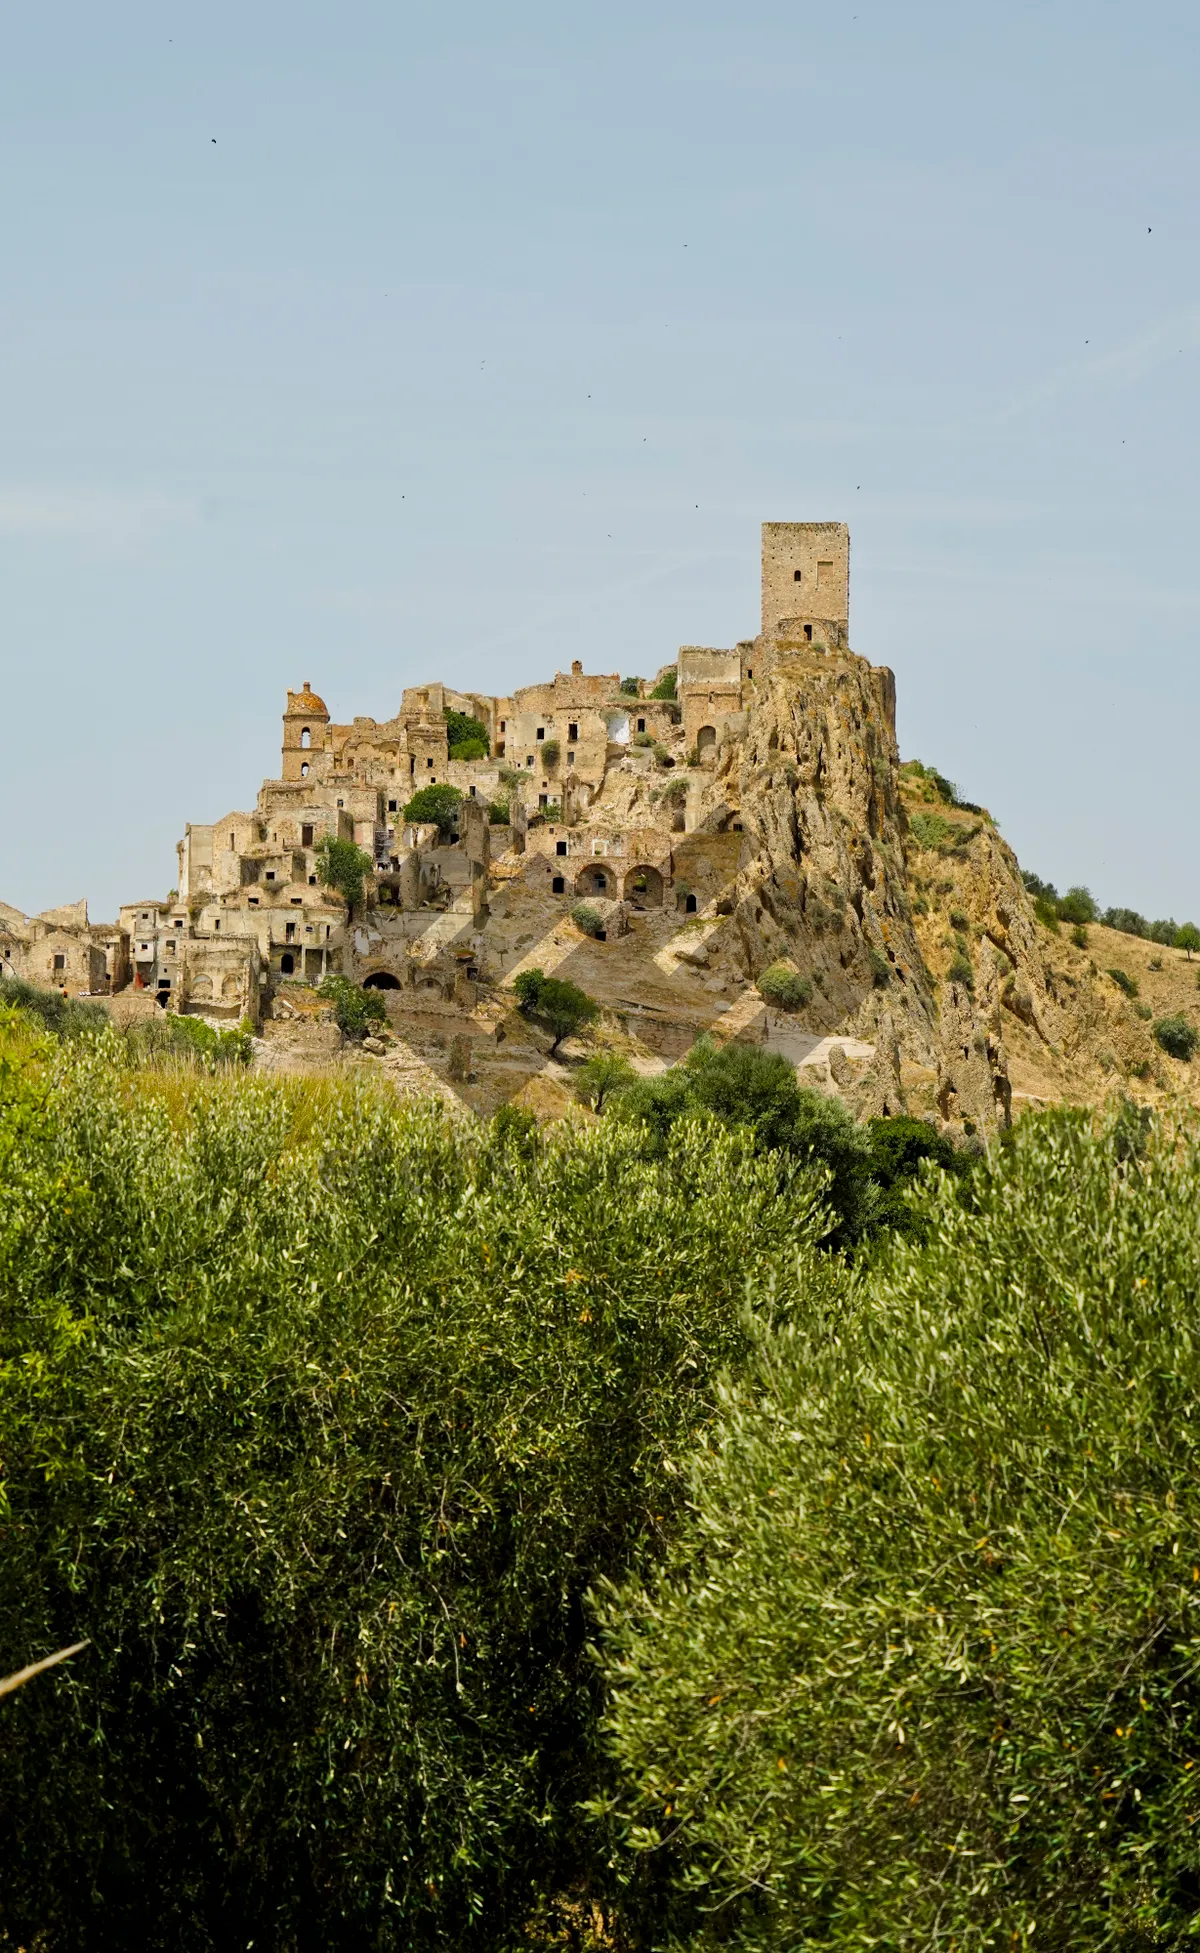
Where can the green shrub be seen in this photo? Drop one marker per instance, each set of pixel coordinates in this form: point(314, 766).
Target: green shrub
point(1155, 963)
point(321, 1441)
point(562, 1007)
point(550, 750)
point(1079, 936)
point(741, 1085)
point(438, 805)
point(343, 866)
point(1143, 1011)
point(631, 687)
point(661, 756)
point(899, 1147)
point(64, 1016)
point(1078, 905)
point(601, 1077)
point(958, 920)
point(642, 739)
point(356, 1009)
point(499, 812)
point(784, 987)
point(1124, 982)
point(1046, 912)
point(466, 738)
point(1177, 1037)
point(587, 918)
point(930, 830)
point(960, 971)
point(665, 687)
point(167, 1035)
point(881, 969)
point(1187, 937)
point(925, 1670)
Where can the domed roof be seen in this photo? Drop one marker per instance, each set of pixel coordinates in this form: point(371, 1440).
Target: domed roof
point(307, 701)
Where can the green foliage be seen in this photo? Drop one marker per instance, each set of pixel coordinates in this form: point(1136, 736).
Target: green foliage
point(930, 830)
point(958, 920)
point(436, 804)
point(1078, 905)
point(784, 987)
point(631, 687)
point(642, 739)
point(1187, 937)
point(64, 1016)
point(515, 1129)
point(960, 971)
point(320, 1436)
point(550, 750)
point(1124, 982)
point(1079, 936)
point(168, 1035)
point(881, 969)
point(343, 866)
point(467, 738)
point(356, 1009)
point(499, 812)
point(561, 1006)
point(585, 917)
point(1143, 1011)
point(741, 1085)
point(665, 687)
point(662, 757)
point(1177, 1037)
point(925, 1670)
point(898, 1148)
point(601, 1077)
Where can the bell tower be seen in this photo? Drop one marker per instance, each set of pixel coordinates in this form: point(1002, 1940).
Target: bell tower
point(806, 581)
point(304, 724)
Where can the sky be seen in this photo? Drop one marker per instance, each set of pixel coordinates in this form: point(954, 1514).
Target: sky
point(372, 343)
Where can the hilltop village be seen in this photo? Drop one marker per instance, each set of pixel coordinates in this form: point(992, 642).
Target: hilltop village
point(668, 843)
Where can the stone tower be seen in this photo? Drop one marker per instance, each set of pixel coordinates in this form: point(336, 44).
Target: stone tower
point(806, 581)
point(304, 724)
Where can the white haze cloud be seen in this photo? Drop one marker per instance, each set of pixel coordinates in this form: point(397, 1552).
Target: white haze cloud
point(107, 521)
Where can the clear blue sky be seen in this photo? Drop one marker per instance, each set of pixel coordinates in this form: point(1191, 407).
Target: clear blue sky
point(481, 338)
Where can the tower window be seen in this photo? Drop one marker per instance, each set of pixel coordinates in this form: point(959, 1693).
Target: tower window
point(541, 732)
point(306, 834)
point(560, 847)
point(641, 725)
point(572, 732)
point(391, 806)
point(306, 737)
point(429, 762)
point(304, 771)
point(808, 633)
point(797, 576)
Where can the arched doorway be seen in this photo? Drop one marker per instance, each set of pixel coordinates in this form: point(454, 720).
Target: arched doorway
point(595, 879)
point(381, 980)
point(287, 963)
point(706, 741)
point(644, 888)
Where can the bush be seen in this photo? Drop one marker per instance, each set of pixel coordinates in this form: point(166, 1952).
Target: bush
point(562, 1007)
point(1128, 921)
point(168, 1035)
point(881, 969)
point(631, 687)
point(601, 1077)
point(784, 987)
point(899, 1146)
point(585, 917)
point(466, 738)
point(1079, 936)
point(1188, 938)
point(661, 756)
point(550, 750)
point(356, 1009)
point(1177, 1037)
point(439, 805)
point(64, 1016)
point(1124, 982)
point(930, 830)
point(642, 739)
point(1143, 1011)
point(665, 687)
point(960, 971)
point(343, 866)
point(958, 920)
point(742, 1085)
point(499, 812)
point(320, 1433)
point(1078, 905)
point(925, 1670)
point(1046, 912)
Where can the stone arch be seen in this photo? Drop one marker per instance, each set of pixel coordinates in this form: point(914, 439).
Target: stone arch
point(231, 986)
point(596, 879)
point(644, 887)
point(304, 771)
point(202, 986)
point(706, 741)
point(686, 902)
point(381, 980)
point(306, 737)
point(287, 963)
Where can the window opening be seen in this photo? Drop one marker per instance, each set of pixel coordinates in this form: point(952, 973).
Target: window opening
point(560, 847)
point(558, 885)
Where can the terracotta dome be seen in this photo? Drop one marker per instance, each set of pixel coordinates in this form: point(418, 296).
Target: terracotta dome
point(308, 702)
